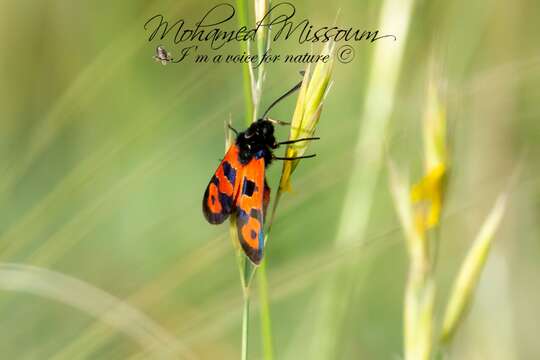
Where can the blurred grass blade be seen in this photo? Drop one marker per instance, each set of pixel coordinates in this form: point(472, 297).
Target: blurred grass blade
point(364, 171)
point(93, 301)
point(420, 288)
point(418, 318)
point(469, 274)
point(435, 127)
point(399, 187)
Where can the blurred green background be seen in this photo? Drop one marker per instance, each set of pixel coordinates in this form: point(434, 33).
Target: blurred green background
point(105, 155)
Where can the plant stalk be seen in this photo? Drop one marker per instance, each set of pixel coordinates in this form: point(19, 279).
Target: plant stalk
point(241, 7)
point(266, 324)
point(245, 325)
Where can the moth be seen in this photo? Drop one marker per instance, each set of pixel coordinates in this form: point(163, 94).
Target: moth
point(239, 187)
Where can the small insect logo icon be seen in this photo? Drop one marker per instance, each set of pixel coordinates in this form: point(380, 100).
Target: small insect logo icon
point(162, 55)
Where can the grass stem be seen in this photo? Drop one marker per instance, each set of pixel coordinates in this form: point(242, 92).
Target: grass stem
point(241, 7)
point(266, 324)
point(245, 325)
point(246, 271)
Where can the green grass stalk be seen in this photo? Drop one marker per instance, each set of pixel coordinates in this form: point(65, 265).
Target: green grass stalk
point(245, 328)
point(252, 95)
point(241, 8)
point(266, 323)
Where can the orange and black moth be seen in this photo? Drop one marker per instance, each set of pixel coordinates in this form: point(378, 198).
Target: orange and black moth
point(239, 187)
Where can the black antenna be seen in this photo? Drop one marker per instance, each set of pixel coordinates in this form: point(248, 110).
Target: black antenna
point(297, 140)
point(295, 157)
point(296, 87)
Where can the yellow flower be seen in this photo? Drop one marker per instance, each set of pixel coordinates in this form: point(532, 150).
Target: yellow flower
point(427, 194)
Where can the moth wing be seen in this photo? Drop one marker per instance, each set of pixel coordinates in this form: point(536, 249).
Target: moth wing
point(250, 208)
point(221, 193)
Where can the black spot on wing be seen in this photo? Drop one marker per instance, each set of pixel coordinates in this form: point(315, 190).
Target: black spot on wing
point(226, 202)
point(256, 214)
point(248, 187)
point(229, 172)
point(241, 218)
